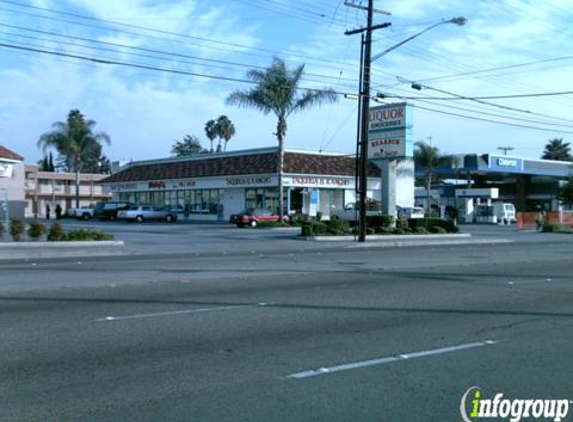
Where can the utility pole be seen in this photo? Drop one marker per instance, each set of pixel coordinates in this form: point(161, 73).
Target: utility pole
point(364, 110)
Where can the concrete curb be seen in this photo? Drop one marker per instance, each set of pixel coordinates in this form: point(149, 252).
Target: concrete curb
point(442, 242)
point(391, 237)
point(64, 245)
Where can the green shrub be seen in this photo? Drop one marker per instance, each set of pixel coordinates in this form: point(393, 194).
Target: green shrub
point(36, 230)
point(421, 230)
point(313, 228)
point(87, 234)
point(379, 221)
point(17, 229)
point(382, 230)
point(551, 227)
point(2, 229)
point(56, 233)
point(319, 228)
point(428, 223)
point(402, 223)
point(438, 230)
point(337, 227)
point(370, 230)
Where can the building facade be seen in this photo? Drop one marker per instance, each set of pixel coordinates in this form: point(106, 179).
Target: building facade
point(12, 180)
point(44, 188)
point(214, 186)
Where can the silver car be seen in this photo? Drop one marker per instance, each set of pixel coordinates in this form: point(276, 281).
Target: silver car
point(141, 213)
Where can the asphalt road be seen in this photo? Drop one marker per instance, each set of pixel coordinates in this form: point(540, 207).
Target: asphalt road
point(306, 333)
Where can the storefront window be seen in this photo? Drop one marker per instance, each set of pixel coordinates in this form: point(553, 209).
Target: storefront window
point(266, 198)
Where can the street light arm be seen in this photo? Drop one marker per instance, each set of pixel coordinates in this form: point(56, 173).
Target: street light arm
point(458, 21)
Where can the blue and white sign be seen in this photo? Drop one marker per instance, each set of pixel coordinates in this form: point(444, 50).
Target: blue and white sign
point(314, 198)
point(505, 163)
point(390, 132)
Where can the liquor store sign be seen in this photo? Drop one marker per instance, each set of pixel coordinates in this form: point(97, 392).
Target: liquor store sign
point(390, 132)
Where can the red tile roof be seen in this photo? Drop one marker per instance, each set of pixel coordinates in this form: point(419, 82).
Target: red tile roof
point(260, 163)
point(10, 155)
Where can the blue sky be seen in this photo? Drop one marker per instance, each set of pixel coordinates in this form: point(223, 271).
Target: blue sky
point(507, 47)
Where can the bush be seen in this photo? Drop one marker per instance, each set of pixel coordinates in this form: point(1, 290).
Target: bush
point(382, 230)
point(551, 228)
point(17, 229)
point(337, 227)
point(2, 229)
point(379, 221)
point(421, 230)
point(428, 223)
point(36, 230)
point(86, 234)
point(370, 230)
point(402, 223)
point(56, 233)
point(438, 230)
point(313, 228)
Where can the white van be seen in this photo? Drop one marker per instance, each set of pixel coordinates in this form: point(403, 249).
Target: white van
point(505, 212)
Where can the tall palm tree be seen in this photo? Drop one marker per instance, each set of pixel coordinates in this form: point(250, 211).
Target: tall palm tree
point(277, 90)
point(225, 129)
point(75, 141)
point(211, 132)
point(558, 150)
point(429, 158)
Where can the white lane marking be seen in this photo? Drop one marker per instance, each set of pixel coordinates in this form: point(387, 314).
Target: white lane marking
point(389, 359)
point(547, 280)
point(184, 311)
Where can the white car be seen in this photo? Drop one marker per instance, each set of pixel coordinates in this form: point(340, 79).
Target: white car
point(141, 213)
point(410, 212)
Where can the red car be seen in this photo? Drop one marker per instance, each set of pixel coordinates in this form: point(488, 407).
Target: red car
point(253, 217)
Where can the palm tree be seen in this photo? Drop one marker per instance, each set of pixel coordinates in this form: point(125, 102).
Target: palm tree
point(190, 145)
point(277, 90)
point(225, 129)
point(558, 150)
point(429, 158)
point(76, 142)
point(211, 132)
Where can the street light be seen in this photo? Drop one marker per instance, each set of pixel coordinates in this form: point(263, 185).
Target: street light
point(459, 21)
point(364, 111)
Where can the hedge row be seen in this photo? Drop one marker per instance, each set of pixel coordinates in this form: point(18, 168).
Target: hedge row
point(380, 224)
point(56, 232)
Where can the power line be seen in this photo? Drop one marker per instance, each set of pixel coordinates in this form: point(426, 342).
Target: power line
point(155, 51)
point(146, 29)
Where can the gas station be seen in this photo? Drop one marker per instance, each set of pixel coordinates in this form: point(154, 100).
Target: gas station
point(475, 186)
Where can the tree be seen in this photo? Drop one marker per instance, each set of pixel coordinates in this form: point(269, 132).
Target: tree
point(565, 193)
point(190, 145)
point(47, 163)
point(211, 132)
point(225, 130)
point(277, 90)
point(76, 143)
point(558, 150)
point(429, 158)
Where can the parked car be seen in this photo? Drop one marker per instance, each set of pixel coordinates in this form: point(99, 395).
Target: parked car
point(141, 213)
point(83, 213)
point(350, 212)
point(253, 217)
point(109, 210)
point(505, 212)
point(410, 212)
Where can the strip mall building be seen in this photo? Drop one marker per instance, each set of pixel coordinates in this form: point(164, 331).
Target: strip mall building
point(214, 186)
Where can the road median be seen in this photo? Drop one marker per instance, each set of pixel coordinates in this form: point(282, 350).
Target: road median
point(66, 249)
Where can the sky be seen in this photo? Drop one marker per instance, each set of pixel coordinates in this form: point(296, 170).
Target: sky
point(150, 72)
